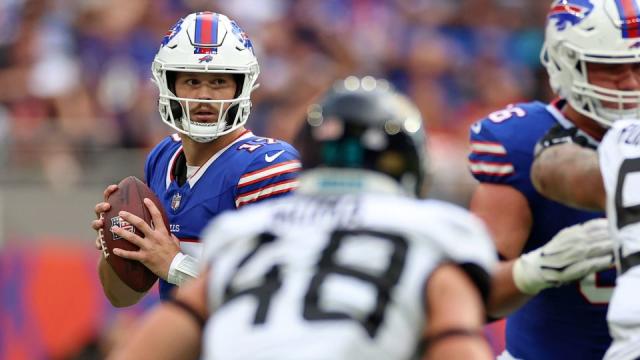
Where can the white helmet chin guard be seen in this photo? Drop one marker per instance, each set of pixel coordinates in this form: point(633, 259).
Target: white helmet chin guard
point(205, 42)
point(592, 31)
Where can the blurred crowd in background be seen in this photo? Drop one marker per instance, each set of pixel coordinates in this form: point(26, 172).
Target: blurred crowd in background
point(75, 74)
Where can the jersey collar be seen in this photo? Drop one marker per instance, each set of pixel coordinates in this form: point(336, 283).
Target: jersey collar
point(194, 179)
point(554, 109)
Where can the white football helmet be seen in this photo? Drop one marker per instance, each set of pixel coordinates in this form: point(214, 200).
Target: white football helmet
point(211, 43)
point(596, 31)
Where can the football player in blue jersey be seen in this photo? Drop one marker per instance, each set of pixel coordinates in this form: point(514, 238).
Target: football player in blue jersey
point(592, 54)
point(205, 71)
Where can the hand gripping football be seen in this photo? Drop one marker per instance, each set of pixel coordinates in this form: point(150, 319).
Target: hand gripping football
point(128, 197)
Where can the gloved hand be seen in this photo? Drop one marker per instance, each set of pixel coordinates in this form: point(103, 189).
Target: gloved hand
point(573, 253)
point(557, 135)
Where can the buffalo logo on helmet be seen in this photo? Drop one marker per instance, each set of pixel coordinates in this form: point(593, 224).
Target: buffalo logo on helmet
point(241, 35)
point(123, 224)
point(172, 32)
point(207, 58)
point(569, 12)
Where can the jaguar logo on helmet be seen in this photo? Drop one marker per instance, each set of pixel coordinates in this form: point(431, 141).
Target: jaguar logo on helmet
point(569, 12)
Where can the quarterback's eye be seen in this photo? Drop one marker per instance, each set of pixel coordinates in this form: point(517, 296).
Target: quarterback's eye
point(192, 81)
point(219, 81)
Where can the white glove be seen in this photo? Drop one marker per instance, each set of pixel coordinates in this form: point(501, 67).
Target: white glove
point(573, 253)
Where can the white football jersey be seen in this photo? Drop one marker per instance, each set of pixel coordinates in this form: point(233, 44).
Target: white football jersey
point(619, 155)
point(331, 277)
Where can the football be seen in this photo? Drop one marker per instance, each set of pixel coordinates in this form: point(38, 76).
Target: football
point(128, 197)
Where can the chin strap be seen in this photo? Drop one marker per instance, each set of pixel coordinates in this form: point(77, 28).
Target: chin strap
point(182, 268)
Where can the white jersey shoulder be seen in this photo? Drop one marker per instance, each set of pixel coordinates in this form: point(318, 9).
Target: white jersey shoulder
point(619, 156)
point(331, 277)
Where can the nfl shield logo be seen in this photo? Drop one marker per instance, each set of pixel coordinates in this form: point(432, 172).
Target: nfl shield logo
point(123, 224)
point(175, 201)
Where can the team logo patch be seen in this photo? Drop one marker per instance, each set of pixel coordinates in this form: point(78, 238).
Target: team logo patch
point(175, 29)
point(569, 12)
point(206, 58)
point(123, 224)
point(175, 201)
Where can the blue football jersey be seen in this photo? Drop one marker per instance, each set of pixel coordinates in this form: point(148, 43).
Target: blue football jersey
point(249, 170)
point(568, 322)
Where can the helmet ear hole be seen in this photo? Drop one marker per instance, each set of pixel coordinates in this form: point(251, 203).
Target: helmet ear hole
point(239, 79)
point(176, 109)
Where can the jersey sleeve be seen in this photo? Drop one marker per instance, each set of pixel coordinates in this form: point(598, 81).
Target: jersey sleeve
point(466, 239)
point(271, 173)
point(489, 157)
point(463, 240)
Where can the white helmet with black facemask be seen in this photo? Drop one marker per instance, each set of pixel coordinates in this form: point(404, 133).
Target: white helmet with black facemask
point(205, 42)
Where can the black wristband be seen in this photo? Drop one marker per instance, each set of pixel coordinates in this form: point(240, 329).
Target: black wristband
point(188, 309)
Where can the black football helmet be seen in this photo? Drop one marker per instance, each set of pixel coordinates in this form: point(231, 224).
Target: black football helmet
point(365, 124)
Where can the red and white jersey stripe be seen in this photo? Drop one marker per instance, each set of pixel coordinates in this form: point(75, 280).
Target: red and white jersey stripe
point(269, 172)
point(486, 147)
point(270, 190)
point(491, 168)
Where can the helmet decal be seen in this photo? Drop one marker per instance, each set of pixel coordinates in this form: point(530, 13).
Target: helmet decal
point(241, 35)
point(207, 58)
point(206, 36)
point(629, 12)
point(175, 29)
point(569, 12)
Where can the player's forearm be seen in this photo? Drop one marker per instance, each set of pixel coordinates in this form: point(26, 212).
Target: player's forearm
point(505, 297)
point(569, 174)
point(118, 293)
point(456, 313)
point(166, 333)
point(173, 330)
point(460, 349)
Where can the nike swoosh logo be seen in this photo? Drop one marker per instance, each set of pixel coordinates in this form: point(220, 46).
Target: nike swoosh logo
point(269, 158)
point(476, 127)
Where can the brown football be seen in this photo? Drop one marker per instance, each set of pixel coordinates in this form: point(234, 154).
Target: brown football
point(128, 197)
